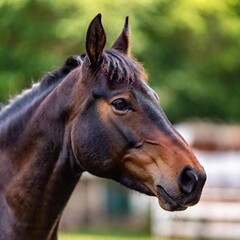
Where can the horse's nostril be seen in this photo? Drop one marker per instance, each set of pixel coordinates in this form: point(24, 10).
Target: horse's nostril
point(188, 179)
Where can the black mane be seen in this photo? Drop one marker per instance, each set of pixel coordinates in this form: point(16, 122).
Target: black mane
point(48, 82)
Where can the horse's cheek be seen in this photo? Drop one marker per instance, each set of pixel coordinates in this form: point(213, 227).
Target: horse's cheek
point(87, 145)
point(79, 144)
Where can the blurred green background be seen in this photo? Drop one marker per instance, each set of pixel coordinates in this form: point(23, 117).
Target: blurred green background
point(189, 48)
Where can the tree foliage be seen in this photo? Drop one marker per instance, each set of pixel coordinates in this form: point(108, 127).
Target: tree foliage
point(189, 48)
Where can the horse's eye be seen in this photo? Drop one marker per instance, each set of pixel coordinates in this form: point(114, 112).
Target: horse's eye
point(121, 104)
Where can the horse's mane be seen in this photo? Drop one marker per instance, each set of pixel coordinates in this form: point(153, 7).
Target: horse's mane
point(48, 82)
point(119, 67)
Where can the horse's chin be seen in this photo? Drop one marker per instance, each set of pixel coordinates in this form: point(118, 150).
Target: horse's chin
point(170, 207)
point(167, 202)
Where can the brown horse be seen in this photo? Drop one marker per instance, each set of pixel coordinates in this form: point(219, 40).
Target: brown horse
point(97, 114)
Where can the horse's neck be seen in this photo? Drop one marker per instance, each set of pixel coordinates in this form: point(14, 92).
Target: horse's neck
point(40, 169)
point(37, 195)
point(15, 115)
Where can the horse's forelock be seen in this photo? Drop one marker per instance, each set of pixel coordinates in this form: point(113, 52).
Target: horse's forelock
point(122, 68)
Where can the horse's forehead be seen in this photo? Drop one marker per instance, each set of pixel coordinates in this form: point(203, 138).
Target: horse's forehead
point(148, 91)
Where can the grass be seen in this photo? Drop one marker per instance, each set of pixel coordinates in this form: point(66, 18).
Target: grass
point(88, 236)
point(109, 235)
point(104, 234)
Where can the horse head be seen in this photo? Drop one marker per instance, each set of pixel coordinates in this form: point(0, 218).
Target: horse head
point(118, 129)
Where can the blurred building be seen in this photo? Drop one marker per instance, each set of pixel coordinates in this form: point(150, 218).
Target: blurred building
point(102, 203)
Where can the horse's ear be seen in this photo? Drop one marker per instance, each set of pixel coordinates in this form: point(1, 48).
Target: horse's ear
point(96, 40)
point(122, 43)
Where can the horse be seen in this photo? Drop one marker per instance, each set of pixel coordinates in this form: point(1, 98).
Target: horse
point(96, 113)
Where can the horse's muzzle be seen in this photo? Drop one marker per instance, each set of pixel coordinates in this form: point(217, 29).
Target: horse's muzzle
point(190, 184)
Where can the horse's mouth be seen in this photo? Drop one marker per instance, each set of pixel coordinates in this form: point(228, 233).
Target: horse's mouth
point(167, 202)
